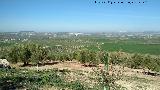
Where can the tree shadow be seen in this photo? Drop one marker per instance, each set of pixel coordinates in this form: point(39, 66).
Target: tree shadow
point(51, 63)
point(40, 64)
point(151, 73)
point(89, 65)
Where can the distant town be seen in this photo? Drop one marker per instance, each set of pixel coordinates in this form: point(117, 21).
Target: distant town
point(26, 35)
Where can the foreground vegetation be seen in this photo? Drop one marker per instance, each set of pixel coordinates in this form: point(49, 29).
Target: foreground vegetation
point(49, 79)
point(20, 79)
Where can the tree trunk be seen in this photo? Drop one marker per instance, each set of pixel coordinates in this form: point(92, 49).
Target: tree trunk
point(25, 63)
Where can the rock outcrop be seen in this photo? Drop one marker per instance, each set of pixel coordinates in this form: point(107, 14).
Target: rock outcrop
point(4, 63)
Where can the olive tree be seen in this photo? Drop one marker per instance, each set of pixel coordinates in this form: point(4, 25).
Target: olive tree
point(26, 53)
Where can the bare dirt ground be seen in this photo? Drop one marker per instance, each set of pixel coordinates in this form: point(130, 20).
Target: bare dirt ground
point(134, 79)
point(70, 65)
point(131, 79)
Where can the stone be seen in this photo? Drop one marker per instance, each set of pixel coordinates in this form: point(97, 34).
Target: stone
point(4, 63)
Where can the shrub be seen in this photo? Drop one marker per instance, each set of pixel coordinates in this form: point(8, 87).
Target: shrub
point(27, 53)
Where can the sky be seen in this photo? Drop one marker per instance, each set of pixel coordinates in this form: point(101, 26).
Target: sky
point(79, 15)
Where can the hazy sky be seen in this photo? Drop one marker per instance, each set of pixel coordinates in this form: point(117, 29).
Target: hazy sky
point(79, 15)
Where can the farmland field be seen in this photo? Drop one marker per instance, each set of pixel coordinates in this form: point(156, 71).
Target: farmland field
point(130, 46)
point(133, 48)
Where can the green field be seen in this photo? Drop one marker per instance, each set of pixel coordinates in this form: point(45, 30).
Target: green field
point(130, 46)
point(133, 48)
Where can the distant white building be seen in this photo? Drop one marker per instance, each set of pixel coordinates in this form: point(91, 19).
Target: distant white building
point(76, 34)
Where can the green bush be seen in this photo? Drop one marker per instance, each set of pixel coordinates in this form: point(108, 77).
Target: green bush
point(27, 53)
